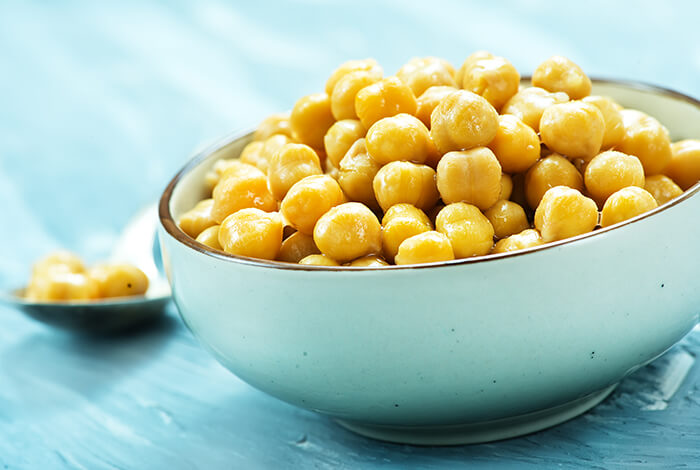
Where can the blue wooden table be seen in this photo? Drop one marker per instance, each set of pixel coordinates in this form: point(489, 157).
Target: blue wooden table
point(100, 104)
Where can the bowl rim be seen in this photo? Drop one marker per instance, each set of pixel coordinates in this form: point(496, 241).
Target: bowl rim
point(168, 222)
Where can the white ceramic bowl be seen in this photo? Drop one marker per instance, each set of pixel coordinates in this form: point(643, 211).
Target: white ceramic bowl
point(465, 351)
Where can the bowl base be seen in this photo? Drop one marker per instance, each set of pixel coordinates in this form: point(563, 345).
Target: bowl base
point(485, 431)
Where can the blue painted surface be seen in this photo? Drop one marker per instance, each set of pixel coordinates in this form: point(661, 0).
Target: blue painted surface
point(100, 104)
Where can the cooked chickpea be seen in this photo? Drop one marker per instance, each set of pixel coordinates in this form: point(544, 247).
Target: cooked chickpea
point(516, 145)
point(385, 98)
point(405, 182)
point(474, 57)
point(60, 285)
point(472, 176)
point(345, 92)
point(574, 129)
point(421, 73)
point(494, 78)
point(119, 280)
point(309, 199)
point(529, 103)
point(370, 261)
point(364, 65)
point(405, 210)
point(271, 146)
point(200, 217)
point(220, 166)
point(428, 101)
point(58, 261)
point(547, 173)
point(318, 260)
point(506, 187)
point(273, 124)
point(311, 118)
point(646, 139)
point(612, 117)
point(560, 74)
point(564, 212)
point(400, 222)
point(356, 174)
point(400, 137)
point(507, 218)
point(625, 204)
point(469, 231)
point(340, 138)
point(348, 231)
point(252, 233)
point(426, 247)
point(297, 247)
point(240, 187)
point(611, 171)
point(662, 188)
point(210, 237)
point(461, 121)
point(526, 239)
point(291, 163)
point(684, 166)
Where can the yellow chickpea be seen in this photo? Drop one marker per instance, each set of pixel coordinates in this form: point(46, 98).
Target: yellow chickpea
point(58, 260)
point(662, 188)
point(311, 118)
point(273, 124)
point(494, 78)
point(318, 260)
point(560, 74)
point(220, 166)
point(469, 231)
point(340, 138)
point(684, 166)
point(400, 222)
point(364, 65)
point(526, 239)
point(401, 137)
point(200, 217)
point(461, 121)
point(611, 171)
point(474, 57)
point(428, 101)
point(309, 199)
point(421, 73)
point(240, 187)
point(345, 92)
point(297, 247)
point(506, 187)
point(472, 176)
point(58, 285)
point(507, 218)
point(574, 129)
point(612, 117)
point(405, 210)
point(371, 261)
point(119, 280)
point(646, 139)
point(426, 247)
point(356, 174)
point(407, 182)
point(252, 233)
point(347, 232)
point(547, 173)
point(387, 97)
point(529, 103)
point(210, 237)
point(270, 146)
point(625, 204)
point(563, 213)
point(291, 163)
point(516, 145)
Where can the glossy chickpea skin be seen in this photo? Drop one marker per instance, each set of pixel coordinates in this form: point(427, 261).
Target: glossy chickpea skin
point(309, 199)
point(469, 231)
point(273, 124)
point(270, 147)
point(611, 171)
point(318, 260)
point(461, 121)
point(506, 187)
point(564, 212)
point(214, 175)
point(291, 163)
point(574, 129)
point(625, 204)
point(612, 117)
point(252, 233)
point(472, 176)
point(60, 260)
point(468, 62)
point(405, 182)
point(385, 98)
point(371, 261)
point(347, 232)
point(119, 280)
point(516, 145)
point(426, 247)
point(345, 92)
point(210, 237)
point(311, 118)
point(529, 103)
point(547, 173)
point(507, 218)
point(684, 166)
point(560, 74)
point(363, 65)
point(356, 174)
point(662, 188)
point(297, 247)
point(200, 217)
point(421, 73)
point(340, 138)
point(647, 139)
point(526, 239)
point(62, 286)
point(400, 137)
point(494, 78)
point(241, 187)
point(428, 101)
point(400, 222)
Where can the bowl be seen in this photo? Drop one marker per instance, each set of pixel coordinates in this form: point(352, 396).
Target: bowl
point(457, 352)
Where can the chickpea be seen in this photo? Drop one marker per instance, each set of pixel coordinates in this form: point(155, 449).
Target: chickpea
point(461, 121)
point(345, 92)
point(356, 174)
point(210, 237)
point(506, 187)
point(385, 98)
point(370, 261)
point(563, 213)
point(400, 222)
point(253, 233)
point(574, 129)
point(646, 139)
point(428, 101)
point(270, 147)
point(469, 231)
point(507, 218)
point(309, 199)
point(526, 239)
point(291, 163)
point(613, 120)
point(240, 187)
point(474, 57)
point(400, 137)
point(529, 103)
point(347, 232)
point(547, 173)
point(311, 118)
point(364, 65)
point(494, 78)
point(119, 280)
point(250, 155)
point(426, 247)
point(200, 217)
point(319, 260)
point(297, 247)
point(625, 204)
point(516, 145)
point(472, 176)
point(611, 171)
point(340, 138)
point(57, 285)
point(220, 166)
point(684, 166)
point(405, 210)
point(273, 124)
point(662, 188)
point(421, 73)
point(58, 261)
point(560, 74)
point(407, 182)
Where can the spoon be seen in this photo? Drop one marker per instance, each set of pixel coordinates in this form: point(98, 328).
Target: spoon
point(137, 245)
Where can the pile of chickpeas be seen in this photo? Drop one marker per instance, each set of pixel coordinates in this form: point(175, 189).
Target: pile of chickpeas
point(62, 276)
point(435, 164)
